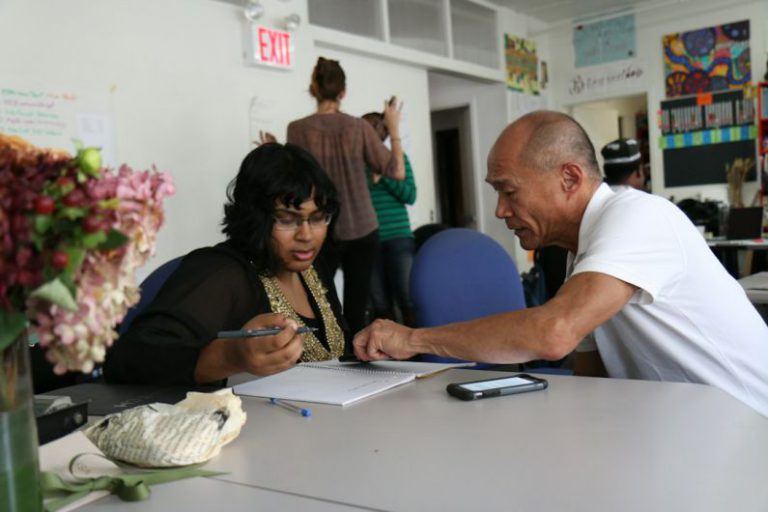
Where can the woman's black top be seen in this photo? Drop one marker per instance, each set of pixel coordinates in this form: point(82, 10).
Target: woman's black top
point(213, 289)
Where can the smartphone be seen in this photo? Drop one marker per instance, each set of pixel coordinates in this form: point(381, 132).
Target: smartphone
point(392, 101)
point(487, 388)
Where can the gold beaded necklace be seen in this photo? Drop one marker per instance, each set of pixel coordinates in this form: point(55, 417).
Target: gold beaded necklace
point(313, 349)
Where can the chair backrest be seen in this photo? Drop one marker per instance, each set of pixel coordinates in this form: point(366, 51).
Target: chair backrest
point(149, 288)
point(461, 274)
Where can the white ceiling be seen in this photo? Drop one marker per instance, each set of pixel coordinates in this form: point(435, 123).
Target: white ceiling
point(554, 11)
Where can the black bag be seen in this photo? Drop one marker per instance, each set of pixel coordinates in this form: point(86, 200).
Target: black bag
point(534, 286)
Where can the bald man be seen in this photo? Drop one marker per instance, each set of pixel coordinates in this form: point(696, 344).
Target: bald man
point(640, 276)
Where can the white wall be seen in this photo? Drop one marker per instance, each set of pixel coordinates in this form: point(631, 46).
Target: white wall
point(488, 117)
point(180, 93)
point(651, 25)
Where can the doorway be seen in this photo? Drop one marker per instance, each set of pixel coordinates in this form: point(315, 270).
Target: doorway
point(454, 183)
point(608, 120)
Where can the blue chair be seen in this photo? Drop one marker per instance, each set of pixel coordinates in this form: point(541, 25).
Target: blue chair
point(149, 288)
point(461, 274)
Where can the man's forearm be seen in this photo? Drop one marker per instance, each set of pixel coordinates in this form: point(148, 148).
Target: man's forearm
point(513, 337)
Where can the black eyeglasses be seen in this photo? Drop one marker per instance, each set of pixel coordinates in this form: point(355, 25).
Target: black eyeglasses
point(287, 221)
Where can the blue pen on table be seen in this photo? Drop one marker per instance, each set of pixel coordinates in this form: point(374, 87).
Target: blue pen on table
point(295, 408)
point(254, 333)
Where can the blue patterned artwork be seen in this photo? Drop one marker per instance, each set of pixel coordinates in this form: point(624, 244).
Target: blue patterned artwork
point(604, 41)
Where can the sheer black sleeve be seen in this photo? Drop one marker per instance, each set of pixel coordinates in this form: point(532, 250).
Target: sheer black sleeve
point(213, 289)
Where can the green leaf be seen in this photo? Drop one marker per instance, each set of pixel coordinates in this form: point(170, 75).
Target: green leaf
point(92, 240)
point(76, 256)
point(42, 223)
point(114, 240)
point(69, 281)
point(56, 293)
point(12, 324)
point(111, 203)
point(73, 213)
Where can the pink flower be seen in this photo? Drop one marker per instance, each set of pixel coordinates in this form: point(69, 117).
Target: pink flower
point(127, 201)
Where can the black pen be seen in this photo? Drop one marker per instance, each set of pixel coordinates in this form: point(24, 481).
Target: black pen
point(255, 333)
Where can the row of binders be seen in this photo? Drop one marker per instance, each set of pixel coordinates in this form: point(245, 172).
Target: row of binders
point(704, 117)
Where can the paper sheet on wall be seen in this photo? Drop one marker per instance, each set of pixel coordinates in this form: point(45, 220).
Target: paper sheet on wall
point(50, 116)
point(262, 114)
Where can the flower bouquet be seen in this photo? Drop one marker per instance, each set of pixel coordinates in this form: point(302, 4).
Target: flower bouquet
point(72, 233)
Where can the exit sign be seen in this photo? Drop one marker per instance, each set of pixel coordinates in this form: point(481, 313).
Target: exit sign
point(271, 47)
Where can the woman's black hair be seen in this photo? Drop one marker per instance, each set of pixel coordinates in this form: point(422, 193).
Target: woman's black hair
point(270, 173)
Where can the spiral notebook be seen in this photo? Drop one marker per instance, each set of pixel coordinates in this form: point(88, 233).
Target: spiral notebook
point(335, 383)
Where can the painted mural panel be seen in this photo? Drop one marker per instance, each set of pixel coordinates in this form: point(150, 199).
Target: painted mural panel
point(522, 64)
point(709, 59)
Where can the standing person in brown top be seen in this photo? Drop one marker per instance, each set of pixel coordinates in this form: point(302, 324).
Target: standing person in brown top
point(344, 146)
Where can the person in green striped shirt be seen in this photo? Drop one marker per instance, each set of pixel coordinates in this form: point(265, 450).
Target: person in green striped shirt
point(392, 266)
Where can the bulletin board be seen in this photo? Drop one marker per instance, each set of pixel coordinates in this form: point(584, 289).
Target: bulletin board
point(604, 41)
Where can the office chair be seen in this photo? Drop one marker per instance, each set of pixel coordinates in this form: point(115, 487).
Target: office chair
point(425, 232)
point(149, 288)
point(460, 274)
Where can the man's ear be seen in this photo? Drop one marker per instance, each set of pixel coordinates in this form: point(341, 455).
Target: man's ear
point(572, 177)
point(341, 95)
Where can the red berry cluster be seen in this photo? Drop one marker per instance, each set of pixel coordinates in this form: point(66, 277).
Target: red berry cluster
point(44, 210)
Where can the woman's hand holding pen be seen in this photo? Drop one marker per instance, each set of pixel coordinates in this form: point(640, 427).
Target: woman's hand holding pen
point(268, 355)
point(264, 355)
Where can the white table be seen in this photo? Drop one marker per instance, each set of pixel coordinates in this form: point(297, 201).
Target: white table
point(584, 444)
point(727, 252)
point(756, 287)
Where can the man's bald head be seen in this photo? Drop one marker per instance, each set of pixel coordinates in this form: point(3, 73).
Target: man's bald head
point(544, 140)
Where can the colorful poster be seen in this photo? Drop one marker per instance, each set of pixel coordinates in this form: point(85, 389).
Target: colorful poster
point(522, 64)
point(709, 59)
point(604, 41)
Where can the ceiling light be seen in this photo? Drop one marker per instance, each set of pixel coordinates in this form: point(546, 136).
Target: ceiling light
point(291, 22)
point(253, 10)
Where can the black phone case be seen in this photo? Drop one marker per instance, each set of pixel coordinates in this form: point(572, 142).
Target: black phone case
point(456, 389)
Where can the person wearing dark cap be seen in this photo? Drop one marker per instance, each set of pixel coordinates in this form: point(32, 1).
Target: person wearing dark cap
point(622, 164)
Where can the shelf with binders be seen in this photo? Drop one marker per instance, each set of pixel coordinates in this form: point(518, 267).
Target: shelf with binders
point(708, 118)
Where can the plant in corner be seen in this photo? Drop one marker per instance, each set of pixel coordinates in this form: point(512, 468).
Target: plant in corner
point(72, 233)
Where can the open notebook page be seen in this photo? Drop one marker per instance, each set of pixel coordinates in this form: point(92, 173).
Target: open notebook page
point(335, 386)
point(417, 368)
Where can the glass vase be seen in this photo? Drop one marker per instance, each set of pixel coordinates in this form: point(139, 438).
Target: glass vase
point(19, 467)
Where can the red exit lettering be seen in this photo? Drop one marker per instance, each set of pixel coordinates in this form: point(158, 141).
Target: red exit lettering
point(273, 47)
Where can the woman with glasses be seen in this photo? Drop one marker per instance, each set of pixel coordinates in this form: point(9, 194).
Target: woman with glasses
point(280, 208)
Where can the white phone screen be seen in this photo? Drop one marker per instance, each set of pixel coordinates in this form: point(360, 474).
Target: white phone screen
point(493, 384)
